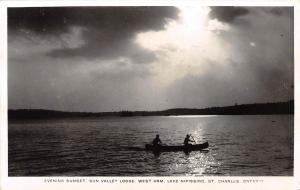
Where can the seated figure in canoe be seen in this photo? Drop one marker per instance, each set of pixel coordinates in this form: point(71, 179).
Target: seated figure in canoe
point(187, 144)
point(156, 146)
point(156, 142)
point(187, 141)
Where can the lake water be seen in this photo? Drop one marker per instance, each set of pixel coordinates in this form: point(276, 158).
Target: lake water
point(239, 146)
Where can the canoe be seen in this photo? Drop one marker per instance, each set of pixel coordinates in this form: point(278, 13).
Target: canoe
point(166, 148)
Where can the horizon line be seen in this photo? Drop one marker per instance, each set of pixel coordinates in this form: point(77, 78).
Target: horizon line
point(42, 109)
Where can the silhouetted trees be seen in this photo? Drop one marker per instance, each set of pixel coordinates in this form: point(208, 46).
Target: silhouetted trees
point(246, 109)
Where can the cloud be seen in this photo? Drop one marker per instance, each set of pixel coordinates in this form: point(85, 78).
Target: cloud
point(53, 20)
point(106, 32)
point(106, 46)
point(280, 11)
point(227, 14)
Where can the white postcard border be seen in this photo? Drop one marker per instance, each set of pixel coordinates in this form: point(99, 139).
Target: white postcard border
point(41, 183)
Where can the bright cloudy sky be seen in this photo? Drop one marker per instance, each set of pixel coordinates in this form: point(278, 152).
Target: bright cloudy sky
point(148, 58)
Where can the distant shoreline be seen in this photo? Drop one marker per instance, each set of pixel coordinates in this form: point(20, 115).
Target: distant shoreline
point(245, 109)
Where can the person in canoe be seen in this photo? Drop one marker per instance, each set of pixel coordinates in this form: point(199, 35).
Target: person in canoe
point(156, 142)
point(187, 140)
point(156, 146)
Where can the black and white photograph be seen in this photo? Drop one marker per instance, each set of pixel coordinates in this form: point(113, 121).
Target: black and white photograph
point(150, 91)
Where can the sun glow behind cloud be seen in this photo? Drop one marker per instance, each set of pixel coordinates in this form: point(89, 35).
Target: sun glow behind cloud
point(187, 46)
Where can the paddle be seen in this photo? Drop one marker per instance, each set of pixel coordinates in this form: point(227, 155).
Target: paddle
point(193, 138)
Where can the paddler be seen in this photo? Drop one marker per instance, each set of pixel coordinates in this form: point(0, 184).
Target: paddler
point(156, 141)
point(187, 140)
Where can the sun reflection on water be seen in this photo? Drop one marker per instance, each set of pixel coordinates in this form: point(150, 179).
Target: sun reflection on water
point(195, 164)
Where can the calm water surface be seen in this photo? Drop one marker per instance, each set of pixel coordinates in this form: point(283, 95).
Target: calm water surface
point(239, 146)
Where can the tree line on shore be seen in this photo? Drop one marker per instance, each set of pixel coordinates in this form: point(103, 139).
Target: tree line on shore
point(245, 109)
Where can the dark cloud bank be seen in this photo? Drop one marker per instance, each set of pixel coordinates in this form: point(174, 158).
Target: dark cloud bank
point(108, 32)
point(227, 14)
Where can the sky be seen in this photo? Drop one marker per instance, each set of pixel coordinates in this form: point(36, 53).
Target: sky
point(148, 58)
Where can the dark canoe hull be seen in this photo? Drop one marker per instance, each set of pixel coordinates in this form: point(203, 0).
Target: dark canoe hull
point(163, 148)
